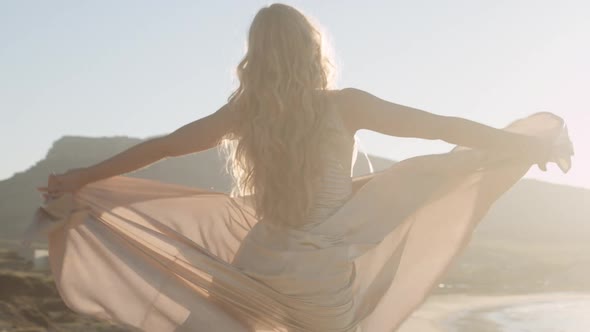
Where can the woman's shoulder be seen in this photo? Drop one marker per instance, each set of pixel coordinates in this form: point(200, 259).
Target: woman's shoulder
point(345, 102)
point(347, 98)
point(348, 92)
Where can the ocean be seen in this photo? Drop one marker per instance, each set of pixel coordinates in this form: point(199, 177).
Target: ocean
point(564, 315)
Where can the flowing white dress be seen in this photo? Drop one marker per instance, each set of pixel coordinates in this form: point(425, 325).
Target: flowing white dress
point(162, 257)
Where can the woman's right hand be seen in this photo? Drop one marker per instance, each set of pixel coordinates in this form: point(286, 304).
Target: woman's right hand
point(544, 151)
point(540, 151)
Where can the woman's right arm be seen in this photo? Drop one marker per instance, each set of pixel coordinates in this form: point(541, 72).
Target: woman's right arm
point(362, 110)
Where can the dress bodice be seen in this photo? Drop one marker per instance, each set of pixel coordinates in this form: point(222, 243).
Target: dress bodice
point(334, 187)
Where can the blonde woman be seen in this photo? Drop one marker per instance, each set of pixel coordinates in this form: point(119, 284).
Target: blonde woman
point(299, 245)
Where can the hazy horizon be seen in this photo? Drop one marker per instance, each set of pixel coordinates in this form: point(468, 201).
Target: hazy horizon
point(141, 69)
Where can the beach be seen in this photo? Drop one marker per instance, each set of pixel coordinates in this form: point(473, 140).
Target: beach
point(440, 312)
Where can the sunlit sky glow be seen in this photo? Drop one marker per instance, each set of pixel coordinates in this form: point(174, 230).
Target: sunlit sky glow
point(144, 68)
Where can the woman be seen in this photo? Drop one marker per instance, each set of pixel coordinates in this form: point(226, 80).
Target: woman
point(299, 245)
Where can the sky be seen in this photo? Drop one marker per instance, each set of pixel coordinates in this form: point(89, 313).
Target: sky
point(144, 68)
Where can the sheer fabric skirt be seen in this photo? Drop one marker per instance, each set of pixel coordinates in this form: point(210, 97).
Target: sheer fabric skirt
point(162, 257)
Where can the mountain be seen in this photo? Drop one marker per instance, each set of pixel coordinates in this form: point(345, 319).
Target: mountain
point(536, 236)
point(18, 195)
point(540, 213)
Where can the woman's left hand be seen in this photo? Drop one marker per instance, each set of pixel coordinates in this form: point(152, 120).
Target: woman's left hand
point(68, 182)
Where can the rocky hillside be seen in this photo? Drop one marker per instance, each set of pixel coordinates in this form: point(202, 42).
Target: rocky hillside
point(29, 302)
point(18, 197)
point(531, 211)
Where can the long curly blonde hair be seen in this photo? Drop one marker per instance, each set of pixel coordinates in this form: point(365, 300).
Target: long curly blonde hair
point(274, 151)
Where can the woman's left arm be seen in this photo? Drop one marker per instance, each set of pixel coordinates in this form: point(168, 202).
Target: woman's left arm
point(196, 136)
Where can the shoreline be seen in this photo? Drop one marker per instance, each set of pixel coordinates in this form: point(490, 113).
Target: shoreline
point(440, 312)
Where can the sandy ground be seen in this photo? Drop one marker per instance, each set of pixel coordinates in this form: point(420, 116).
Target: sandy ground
point(439, 310)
